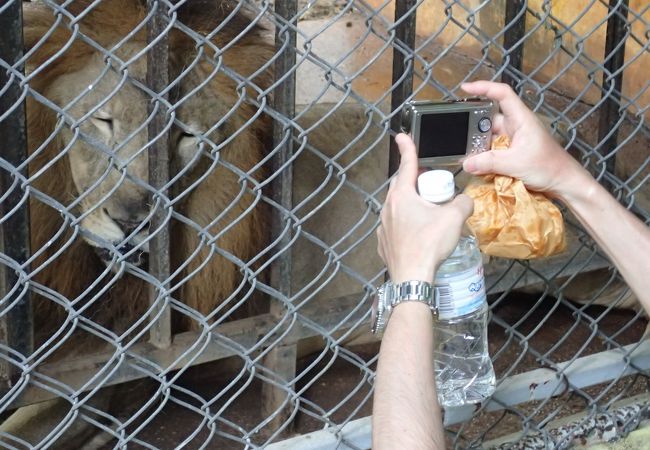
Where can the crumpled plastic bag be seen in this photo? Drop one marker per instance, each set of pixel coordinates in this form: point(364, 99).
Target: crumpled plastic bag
point(511, 222)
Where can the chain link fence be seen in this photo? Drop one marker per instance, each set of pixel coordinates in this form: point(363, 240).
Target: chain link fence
point(189, 196)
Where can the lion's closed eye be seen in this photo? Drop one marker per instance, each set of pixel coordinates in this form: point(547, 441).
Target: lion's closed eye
point(190, 145)
point(186, 138)
point(188, 148)
point(103, 122)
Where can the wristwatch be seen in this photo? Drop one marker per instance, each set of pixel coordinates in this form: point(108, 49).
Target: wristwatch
point(389, 295)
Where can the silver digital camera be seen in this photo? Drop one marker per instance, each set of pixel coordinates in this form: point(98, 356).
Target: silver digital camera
point(444, 132)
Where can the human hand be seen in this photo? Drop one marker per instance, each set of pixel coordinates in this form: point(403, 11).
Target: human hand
point(534, 156)
point(415, 235)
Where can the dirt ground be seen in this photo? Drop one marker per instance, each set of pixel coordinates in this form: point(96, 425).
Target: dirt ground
point(341, 390)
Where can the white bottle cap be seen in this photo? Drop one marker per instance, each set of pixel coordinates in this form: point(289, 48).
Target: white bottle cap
point(436, 185)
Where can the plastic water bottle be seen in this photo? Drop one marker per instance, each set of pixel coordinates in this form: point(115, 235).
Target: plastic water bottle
point(463, 368)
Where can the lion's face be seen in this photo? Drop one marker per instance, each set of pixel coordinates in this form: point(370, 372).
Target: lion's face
point(109, 157)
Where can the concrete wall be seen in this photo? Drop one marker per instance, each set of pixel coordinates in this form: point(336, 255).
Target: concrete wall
point(582, 16)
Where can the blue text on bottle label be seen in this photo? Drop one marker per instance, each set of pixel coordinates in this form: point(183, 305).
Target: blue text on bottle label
point(460, 293)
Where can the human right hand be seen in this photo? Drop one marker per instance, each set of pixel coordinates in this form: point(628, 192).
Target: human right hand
point(534, 156)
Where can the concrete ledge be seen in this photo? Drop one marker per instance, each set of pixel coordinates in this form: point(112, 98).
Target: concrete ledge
point(636, 440)
point(586, 431)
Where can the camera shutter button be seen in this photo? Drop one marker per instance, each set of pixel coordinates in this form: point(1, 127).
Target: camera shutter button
point(484, 124)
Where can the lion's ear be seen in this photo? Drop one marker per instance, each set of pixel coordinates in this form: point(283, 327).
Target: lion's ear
point(37, 20)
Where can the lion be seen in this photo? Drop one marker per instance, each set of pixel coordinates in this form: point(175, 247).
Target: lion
point(108, 189)
point(89, 175)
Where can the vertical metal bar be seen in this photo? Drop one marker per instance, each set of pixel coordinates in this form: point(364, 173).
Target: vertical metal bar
point(157, 80)
point(614, 58)
point(282, 358)
point(405, 33)
point(514, 35)
point(17, 326)
point(284, 103)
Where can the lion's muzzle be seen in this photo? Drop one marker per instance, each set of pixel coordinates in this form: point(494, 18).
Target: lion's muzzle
point(117, 241)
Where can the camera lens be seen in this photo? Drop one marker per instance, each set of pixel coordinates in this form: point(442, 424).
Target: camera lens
point(484, 124)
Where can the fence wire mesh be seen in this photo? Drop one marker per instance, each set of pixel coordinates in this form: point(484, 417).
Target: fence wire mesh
point(189, 196)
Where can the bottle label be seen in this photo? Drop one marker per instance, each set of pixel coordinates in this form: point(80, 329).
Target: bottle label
point(460, 293)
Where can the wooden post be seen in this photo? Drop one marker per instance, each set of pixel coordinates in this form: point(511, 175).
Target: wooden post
point(282, 359)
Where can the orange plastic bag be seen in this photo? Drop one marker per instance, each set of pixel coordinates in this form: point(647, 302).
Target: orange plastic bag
point(511, 222)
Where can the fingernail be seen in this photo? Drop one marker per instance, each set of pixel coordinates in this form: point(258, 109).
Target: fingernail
point(469, 166)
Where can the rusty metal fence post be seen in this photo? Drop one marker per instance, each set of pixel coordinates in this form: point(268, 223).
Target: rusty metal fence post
point(16, 325)
point(158, 131)
point(513, 40)
point(610, 114)
point(403, 67)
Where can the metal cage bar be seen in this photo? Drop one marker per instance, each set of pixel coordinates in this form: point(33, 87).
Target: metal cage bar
point(16, 326)
point(402, 78)
point(614, 58)
point(515, 20)
point(158, 80)
point(282, 359)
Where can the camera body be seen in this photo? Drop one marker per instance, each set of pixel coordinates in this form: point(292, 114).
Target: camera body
point(444, 132)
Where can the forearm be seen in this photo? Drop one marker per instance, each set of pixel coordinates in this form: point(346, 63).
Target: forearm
point(623, 237)
point(405, 410)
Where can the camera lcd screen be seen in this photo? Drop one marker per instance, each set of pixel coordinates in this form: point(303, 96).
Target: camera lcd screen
point(443, 134)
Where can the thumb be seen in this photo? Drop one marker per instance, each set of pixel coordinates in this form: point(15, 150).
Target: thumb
point(464, 204)
point(408, 167)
